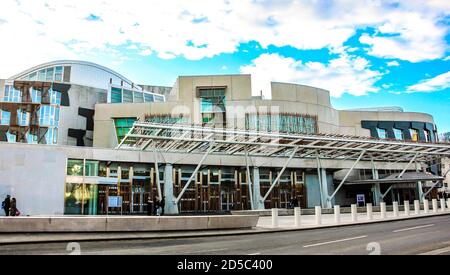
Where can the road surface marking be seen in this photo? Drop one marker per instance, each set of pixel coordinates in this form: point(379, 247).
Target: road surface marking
point(254, 254)
point(207, 251)
point(337, 241)
point(413, 228)
point(437, 251)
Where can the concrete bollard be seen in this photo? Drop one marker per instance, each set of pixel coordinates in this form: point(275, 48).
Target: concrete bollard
point(442, 205)
point(275, 223)
point(426, 206)
point(354, 213)
point(318, 215)
point(448, 204)
point(417, 207)
point(297, 216)
point(383, 210)
point(395, 209)
point(406, 204)
point(337, 214)
point(435, 206)
point(369, 212)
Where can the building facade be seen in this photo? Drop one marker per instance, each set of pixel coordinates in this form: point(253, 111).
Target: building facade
point(99, 108)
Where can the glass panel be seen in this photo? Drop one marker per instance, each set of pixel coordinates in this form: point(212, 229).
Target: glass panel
point(149, 98)
point(116, 95)
point(33, 76)
point(5, 118)
point(414, 135)
point(398, 134)
point(138, 97)
point(127, 96)
point(123, 126)
point(58, 74)
point(41, 75)
point(73, 199)
point(75, 167)
point(91, 168)
point(49, 75)
point(382, 133)
point(159, 98)
point(36, 96)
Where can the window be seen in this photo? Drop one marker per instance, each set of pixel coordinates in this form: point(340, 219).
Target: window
point(49, 116)
point(127, 96)
point(51, 136)
point(398, 134)
point(138, 97)
point(49, 75)
point(32, 76)
point(91, 168)
point(58, 74)
point(23, 118)
point(382, 133)
point(414, 135)
point(41, 75)
point(427, 136)
point(75, 167)
point(149, 98)
point(4, 118)
point(55, 97)
point(36, 96)
point(285, 123)
point(116, 95)
point(12, 95)
point(32, 139)
point(159, 98)
point(213, 106)
point(123, 126)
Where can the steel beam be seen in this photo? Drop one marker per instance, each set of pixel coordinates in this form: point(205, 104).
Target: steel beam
point(407, 166)
point(281, 173)
point(249, 180)
point(346, 176)
point(211, 148)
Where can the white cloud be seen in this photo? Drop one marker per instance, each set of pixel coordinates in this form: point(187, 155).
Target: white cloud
point(224, 68)
point(438, 83)
point(346, 74)
point(393, 64)
point(146, 52)
point(42, 30)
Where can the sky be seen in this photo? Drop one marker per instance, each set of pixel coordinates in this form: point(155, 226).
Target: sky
point(367, 53)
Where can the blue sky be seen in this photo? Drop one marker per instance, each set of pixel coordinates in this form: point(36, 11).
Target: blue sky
point(367, 53)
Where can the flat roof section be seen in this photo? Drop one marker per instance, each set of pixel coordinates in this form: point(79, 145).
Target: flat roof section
point(181, 138)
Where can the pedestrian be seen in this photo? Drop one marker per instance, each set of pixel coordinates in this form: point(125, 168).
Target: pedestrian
point(158, 208)
point(150, 210)
point(13, 208)
point(6, 204)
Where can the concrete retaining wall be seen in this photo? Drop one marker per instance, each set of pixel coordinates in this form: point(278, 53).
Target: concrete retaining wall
point(124, 224)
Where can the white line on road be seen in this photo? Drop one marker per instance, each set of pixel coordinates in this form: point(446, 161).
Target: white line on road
point(207, 251)
point(437, 251)
point(337, 241)
point(413, 228)
point(254, 254)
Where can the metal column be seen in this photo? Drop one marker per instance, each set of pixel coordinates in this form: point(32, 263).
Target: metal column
point(169, 208)
point(257, 199)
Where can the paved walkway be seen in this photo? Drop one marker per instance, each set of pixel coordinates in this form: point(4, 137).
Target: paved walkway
point(309, 221)
point(286, 224)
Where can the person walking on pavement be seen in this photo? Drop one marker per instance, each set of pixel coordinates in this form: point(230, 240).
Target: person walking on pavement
point(150, 206)
point(6, 204)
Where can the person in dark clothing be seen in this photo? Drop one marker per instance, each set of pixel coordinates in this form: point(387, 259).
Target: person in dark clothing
point(150, 210)
point(294, 203)
point(6, 204)
point(157, 210)
point(13, 208)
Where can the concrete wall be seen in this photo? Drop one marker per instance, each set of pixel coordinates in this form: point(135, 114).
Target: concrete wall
point(125, 224)
point(35, 178)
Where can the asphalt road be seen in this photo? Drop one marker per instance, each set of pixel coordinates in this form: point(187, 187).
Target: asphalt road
point(420, 236)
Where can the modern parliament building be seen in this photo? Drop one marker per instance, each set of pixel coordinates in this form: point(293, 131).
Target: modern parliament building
point(77, 138)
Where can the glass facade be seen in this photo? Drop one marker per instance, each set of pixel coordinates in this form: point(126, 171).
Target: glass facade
point(398, 134)
point(121, 95)
point(213, 107)
point(123, 126)
point(50, 74)
point(285, 123)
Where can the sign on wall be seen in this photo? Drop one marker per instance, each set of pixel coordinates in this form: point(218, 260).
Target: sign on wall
point(115, 201)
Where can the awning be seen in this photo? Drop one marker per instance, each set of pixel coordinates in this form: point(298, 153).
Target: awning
point(409, 177)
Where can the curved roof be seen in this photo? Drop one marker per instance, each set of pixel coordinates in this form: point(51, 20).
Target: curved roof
point(70, 62)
